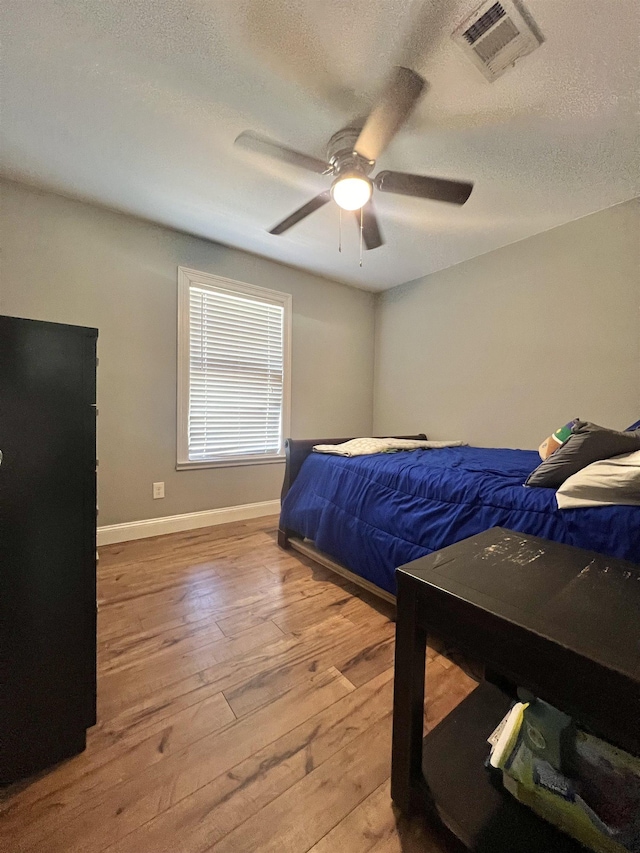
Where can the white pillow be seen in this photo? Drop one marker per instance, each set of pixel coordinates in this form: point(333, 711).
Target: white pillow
point(604, 483)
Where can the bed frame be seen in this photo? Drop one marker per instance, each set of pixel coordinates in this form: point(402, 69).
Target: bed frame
point(296, 451)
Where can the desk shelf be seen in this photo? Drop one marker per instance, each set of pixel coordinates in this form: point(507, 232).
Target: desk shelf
point(482, 815)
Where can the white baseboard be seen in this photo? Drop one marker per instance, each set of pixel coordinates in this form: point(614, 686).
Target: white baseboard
point(189, 521)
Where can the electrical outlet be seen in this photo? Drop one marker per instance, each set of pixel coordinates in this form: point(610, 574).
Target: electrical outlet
point(158, 490)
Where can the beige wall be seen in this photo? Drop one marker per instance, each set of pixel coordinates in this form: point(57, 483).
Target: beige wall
point(502, 349)
point(75, 263)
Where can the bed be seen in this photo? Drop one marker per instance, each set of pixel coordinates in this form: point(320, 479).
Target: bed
point(366, 515)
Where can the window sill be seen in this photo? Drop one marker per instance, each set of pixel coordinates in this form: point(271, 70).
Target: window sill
point(229, 463)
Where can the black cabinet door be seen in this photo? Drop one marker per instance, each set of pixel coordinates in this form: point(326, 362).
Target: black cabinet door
point(47, 542)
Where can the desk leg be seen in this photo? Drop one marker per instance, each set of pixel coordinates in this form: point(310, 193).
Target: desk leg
point(408, 703)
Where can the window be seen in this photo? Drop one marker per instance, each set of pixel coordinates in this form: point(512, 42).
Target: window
point(233, 371)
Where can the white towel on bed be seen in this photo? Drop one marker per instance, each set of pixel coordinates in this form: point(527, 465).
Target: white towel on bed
point(367, 446)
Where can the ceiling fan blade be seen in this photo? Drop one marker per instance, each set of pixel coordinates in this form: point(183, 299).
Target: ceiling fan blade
point(370, 229)
point(254, 142)
point(420, 186)
point(393, 108)
point(301, 212)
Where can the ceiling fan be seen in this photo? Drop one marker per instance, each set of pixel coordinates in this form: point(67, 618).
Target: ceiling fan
point(351, 156)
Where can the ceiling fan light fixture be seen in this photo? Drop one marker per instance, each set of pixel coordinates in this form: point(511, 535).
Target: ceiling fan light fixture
point(351, 191)
point(351, 156)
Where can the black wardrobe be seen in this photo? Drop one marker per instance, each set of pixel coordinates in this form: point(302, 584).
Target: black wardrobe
point(47, 543)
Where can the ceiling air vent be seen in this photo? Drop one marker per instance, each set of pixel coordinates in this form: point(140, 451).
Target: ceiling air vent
point(496, 35)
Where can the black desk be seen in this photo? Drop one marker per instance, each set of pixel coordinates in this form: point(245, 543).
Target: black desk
point(559, 621)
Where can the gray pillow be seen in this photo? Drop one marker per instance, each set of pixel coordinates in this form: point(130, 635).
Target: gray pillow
point(587, 443)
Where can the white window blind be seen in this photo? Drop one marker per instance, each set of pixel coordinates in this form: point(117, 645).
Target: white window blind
point(236, 373)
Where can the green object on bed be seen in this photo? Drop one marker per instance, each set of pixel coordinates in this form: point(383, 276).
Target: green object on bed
point(587, 443)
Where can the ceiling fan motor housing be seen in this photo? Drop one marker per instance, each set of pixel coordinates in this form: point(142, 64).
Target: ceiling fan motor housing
point(342, 156)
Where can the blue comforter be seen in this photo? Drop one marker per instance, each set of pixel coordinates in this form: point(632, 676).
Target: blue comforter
point(374, 513)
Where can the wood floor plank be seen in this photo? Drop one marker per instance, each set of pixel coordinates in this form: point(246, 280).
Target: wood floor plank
point(212, 660)
point(374, 656)
point(244, 700)
point(322, 799)
point(149, 792)
point(446, 686)
point(375, 825)
point(146, 645)
point(180, 603)
point(186, 546)
point(294, 595)
point(203, 643)
point(226, 802)
point(362, 827)
point(161, 592)
point(332, 645)
point(309, 611)
point(94, 773)
point(283, 660)
point(245, 610)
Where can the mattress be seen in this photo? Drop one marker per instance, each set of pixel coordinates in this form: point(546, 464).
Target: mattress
point(374, 513)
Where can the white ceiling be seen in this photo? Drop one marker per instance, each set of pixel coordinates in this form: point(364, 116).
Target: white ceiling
point(135, 104)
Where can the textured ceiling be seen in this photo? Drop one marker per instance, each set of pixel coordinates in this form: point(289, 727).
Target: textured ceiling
point(135, 104)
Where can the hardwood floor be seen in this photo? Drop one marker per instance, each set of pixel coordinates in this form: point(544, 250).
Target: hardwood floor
point(244, 704)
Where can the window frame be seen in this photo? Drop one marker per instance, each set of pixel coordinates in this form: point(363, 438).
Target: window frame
point(186, 278)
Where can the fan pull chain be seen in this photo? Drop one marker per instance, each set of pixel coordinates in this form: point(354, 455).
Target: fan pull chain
point(339, 229)
point(361, 229)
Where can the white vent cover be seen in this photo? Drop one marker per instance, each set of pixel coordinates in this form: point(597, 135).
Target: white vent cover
point(496, 35)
